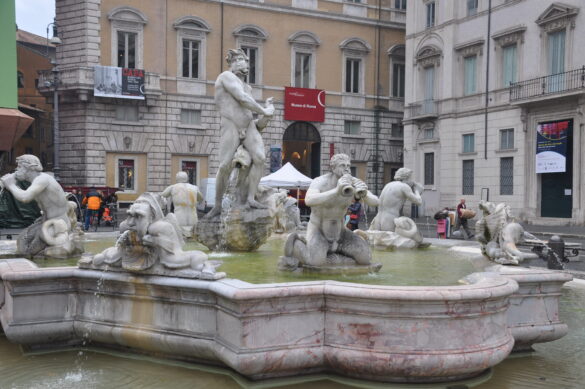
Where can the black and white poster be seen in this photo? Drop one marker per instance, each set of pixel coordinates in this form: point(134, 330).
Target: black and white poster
point(122, 83)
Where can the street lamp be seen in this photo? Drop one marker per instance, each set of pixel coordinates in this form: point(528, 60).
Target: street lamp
point(54, 83)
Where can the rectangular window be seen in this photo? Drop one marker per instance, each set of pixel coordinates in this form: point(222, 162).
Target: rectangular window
point(468, 143)
point(191, 116)
point(126, 174)
point(127, 49)
point(429, 81)
point(127, 113)
point(353, 171)
point(470, 81)
point(509, 65)
point(400, 4)
point(398, 80)
point(507, 139)
point(352, 75)
point(556, 61)
point(252, 53)
point(351, 127)
point(467, 177)
point(507, 176)
point(429, 133)
point(302, 70)
point(471, 7)
point(430, 14)
point(190, 167)
point(429, 168)
point(397, 131)
point(190, 58)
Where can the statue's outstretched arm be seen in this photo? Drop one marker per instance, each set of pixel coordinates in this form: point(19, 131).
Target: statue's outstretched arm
point(26, 196)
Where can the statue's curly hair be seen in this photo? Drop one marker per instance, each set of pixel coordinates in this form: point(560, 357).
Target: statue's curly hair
point(30, 161)
point(337, 158)
point(232, 54)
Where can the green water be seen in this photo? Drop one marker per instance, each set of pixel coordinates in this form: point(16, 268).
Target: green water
point(555, 365)
point(432, 266)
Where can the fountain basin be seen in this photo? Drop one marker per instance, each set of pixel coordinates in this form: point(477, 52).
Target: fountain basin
point(384, 333)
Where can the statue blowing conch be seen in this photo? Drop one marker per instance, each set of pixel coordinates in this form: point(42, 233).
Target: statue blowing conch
point(151, 243)
point(55, 233)
point(328, 243)
point(239, 220)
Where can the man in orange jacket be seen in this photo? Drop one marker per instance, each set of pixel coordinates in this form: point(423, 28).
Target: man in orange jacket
point(93, 201)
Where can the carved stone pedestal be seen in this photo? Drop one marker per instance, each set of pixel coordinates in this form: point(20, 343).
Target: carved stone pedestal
point(239, 229)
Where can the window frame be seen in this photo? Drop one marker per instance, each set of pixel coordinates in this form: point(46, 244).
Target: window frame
point(126, 56)
point(470, 87)
point(190, 60)
point(430, 14)
point(429, 172)
point(197, 168)
point(181, 122)
point(402, 4)
point(120, 107)
point(514, 78)
point(252, 36)
point(129, 20)
point(464, 143)
point(309, 72)
point(117, 172)
point(501, 143)
point(195, 29)
point(470, 11)
point(467, 188)
point(351, 83)
point(507, 190)
point(349, 124)
point(304, 42)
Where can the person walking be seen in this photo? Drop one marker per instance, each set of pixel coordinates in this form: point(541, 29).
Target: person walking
point(93, 201)
point(462, 220)
point(354, 211)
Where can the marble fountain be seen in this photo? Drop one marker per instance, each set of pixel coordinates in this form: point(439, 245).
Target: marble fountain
point(149, 296)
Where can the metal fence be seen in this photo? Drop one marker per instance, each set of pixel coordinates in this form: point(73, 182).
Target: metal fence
point(548, 85)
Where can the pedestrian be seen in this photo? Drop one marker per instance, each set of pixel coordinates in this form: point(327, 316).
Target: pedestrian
point(354, 211)
point(462, 221)
point(93, 202)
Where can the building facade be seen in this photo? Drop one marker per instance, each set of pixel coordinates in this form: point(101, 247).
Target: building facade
point(485, 86)
point(353, 51)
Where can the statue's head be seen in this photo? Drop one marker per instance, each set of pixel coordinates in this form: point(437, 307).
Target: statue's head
point(237, 61)
point(145, 211)
point(403, 174)
point(181, 177)
point(340, 164)
point(27, 163)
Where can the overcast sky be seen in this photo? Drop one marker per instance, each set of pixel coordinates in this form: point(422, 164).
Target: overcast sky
point(34, 15)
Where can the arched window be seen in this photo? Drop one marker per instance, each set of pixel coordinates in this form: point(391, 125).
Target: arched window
point(127, 29)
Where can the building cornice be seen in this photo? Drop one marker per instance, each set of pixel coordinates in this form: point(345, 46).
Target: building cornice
point(509, 35)
point(313, 14)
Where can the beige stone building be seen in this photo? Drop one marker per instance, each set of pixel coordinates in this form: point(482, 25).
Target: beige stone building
point(353, 51)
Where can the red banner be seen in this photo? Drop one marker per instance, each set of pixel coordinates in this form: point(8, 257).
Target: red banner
point(304, 104)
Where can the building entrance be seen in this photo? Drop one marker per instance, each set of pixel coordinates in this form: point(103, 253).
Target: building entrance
point(557, 188)
point(301, 146)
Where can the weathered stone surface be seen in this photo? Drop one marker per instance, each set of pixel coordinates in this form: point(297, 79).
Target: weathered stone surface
point(243, 229)
point(416, 334)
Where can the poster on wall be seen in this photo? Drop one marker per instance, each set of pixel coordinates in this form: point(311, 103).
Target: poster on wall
point(121, 83)
point(275, 158)
point(551, 146)
point(304, 104)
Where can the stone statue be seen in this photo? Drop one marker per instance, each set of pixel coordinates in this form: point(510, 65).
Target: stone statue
point(184, 197)
point(388, 228)
point(240, 143)
point(328, 241)
point(498, 234)
point(287, 217)
point(53, 234)
point(240, 220)
point(151, 243)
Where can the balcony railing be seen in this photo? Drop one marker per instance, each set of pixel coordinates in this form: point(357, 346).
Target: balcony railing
point(548, 85)
point(423, 109)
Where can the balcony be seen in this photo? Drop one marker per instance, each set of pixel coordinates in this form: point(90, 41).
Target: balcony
point(426, 109)
point(555, 85)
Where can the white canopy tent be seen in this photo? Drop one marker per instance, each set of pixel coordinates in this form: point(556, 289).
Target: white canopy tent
point(287, 177)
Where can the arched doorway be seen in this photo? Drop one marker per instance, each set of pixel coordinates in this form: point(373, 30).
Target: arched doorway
point(301, 146)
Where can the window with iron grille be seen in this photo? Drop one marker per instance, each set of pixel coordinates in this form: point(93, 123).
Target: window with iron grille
point(468, 173)
point(190, 167)
point(126, 175)
point(507, 176)
point(429, 168)
point(507, 139)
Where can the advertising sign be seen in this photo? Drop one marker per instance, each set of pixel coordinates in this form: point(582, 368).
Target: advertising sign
point(304, 104)
point(121, 83)
point(551, 146)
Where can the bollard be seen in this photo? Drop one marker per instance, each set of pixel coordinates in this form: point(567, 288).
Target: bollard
point(556, 253)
